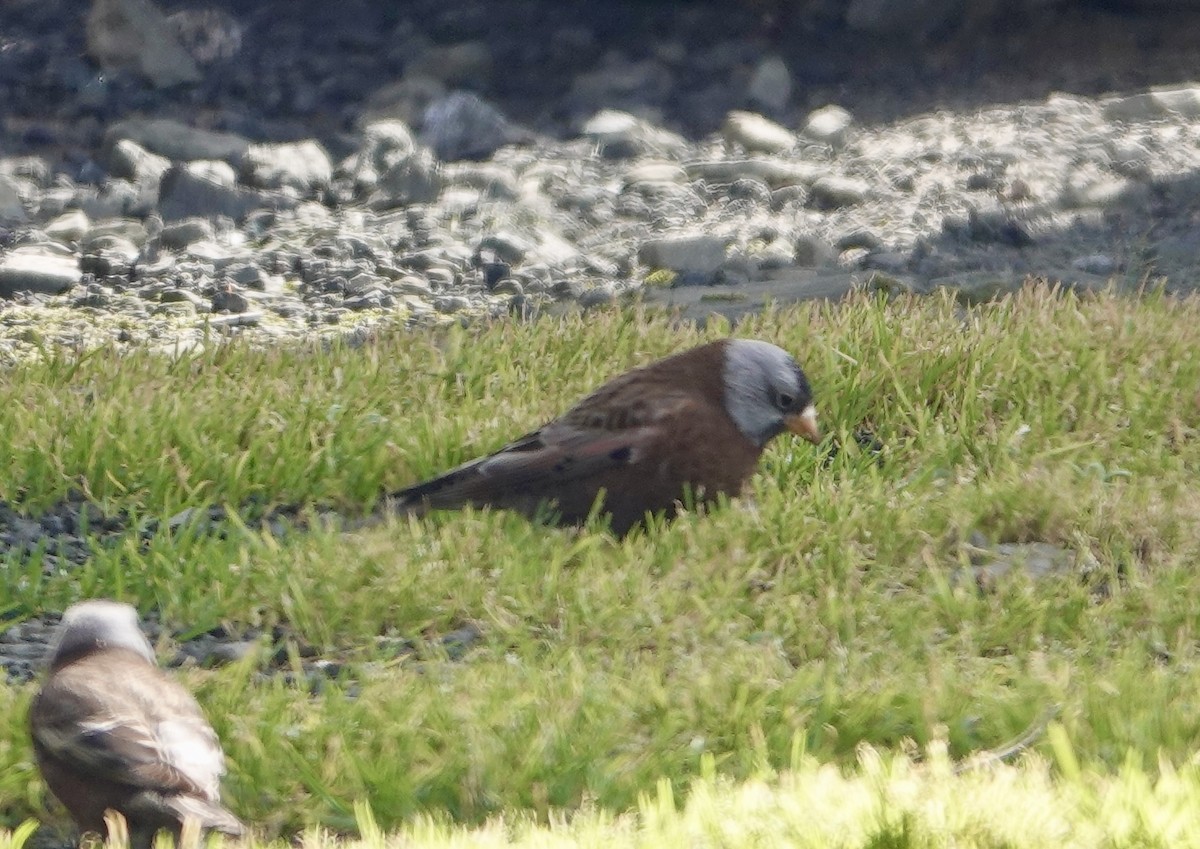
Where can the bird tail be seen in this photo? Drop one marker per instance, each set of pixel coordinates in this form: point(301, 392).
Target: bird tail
point(208, 815)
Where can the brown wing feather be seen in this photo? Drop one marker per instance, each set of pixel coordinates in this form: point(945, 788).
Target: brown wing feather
point(126, 722)
point(584, 443)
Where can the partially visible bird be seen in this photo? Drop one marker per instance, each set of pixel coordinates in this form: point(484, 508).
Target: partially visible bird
point(692, 424)
point(111, 731)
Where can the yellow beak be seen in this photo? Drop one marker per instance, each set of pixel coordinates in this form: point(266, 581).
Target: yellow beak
point(805, 424)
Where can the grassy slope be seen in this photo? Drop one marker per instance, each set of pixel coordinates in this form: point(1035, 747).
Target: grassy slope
point(820, 619)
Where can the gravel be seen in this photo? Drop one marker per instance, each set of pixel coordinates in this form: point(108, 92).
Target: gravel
point(302, 170)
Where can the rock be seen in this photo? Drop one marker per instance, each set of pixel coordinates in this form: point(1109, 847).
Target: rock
point(620, 135)
point(600, 295)
point(829, 125)
point(451, 304)
point(179, 234)
point(303, 166)
point(33, 269)
point(134, 34)
point(695, 257)
point(1156, 103)
point(199, 190)
point(178, 141)
point(415, 179)
point(1037, 560)
point(68, 227)
point(462, 125)
point(998, 226)
point(756, 134)
point(128, 159)
point(834, 192)
point(771, 83)
point(12, 208)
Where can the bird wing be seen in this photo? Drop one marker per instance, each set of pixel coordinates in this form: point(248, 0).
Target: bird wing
point(615, 427)
point(131, 725)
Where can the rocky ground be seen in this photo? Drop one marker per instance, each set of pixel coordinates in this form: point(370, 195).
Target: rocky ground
point(294, 169)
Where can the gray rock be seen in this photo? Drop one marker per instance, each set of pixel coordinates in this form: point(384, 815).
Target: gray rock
point(756, 133)
point(451, 303)
point(599, 295)
point(12, 208)
point(179, 234)
point(833, 192)
point(177, 141)
point(1037, 560)
point(1156, 103)
point(185, 296)
point(693, 256)
point(128, 159)
point(620, 135)
point(462, 125)
point(69, 227)
point(771, 83)
point(33, 269)
point(411, 285)
point(134, 34)
point(829, 125)
point(195, 190)
point(303, 166)
point(416, 179)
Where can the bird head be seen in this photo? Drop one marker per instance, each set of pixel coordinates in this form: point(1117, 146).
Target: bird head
point(767, 393)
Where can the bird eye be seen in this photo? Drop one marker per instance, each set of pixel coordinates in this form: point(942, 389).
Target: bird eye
point(785, 400)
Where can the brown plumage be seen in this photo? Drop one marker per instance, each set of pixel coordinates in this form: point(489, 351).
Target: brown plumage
point(695, 422)
point(111, 731)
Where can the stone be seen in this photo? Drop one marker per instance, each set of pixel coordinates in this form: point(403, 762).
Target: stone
point(69, 227)
point(771, 83)
point(134, 34)
point(197, 190)
point(33, 269)
point(698, 256)
point(756, 133)
point(829, 125)
point(179, 234)
point(463, 125)
point(833, 192)
point(177, 141)
point(621, 135)
point(12, 208)
point(303, 166)
point(415, 179)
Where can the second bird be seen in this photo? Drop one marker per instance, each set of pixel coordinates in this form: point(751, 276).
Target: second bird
point(692, 423)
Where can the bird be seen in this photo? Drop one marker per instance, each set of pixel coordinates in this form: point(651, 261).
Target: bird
point(113, 732)
point(689, 426)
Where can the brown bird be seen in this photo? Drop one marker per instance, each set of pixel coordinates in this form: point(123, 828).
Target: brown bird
point(111, 731)
point(693, 423)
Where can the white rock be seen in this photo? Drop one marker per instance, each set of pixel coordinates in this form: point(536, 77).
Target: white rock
point(30, 269)
point(756, 133)
point(829, 124)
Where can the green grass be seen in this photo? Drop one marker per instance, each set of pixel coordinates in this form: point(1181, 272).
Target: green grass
point(822, 616)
